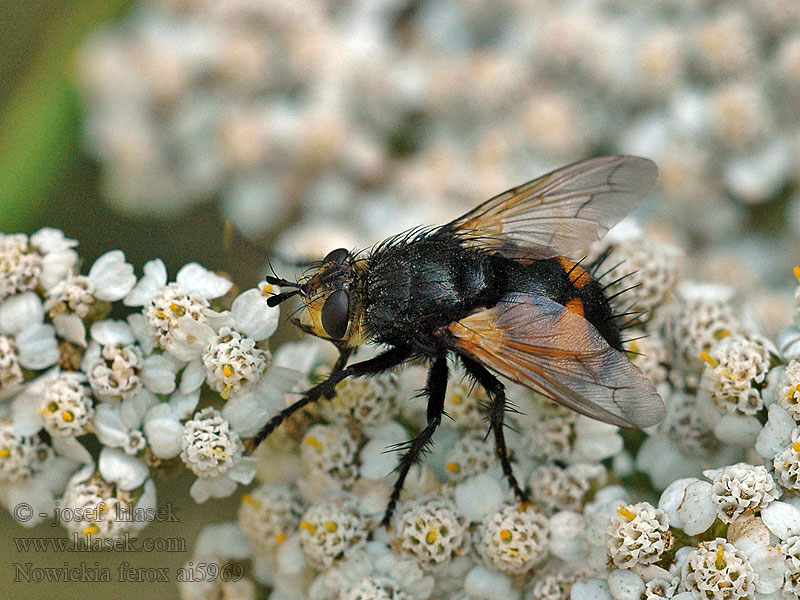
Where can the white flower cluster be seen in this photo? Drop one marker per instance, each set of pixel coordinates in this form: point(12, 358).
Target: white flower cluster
point(251, 100)
point(71, 376)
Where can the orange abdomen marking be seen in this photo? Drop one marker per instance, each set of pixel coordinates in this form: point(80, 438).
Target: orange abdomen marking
point(576, 306)
point(577, 274)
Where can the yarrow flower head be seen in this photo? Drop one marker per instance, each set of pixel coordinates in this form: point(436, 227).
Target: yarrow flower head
point(209, 446)
point(736, 368)
point(514, 539)
point(554, 488)
point(233, 362)
point(367, 400)
point(20, 456)
point(65, 405)
point(10, 370)
point(113, 361)
point(638, 534)
point(701, 316)
point(431, 531)
point(329, 530)
point(642, 271)
point(789, 388)
point(106, 501)
point(330, 451)
point(268, 515)
point(178, 311)
point(741, 487)
point(718, 570)
point(787, 463)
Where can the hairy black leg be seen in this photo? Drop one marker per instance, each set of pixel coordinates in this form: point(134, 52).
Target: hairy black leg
point(497, 410)
point(382, 362)
point(435, 389)
point(344, 356)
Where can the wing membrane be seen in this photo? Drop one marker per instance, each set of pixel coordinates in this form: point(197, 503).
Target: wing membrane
point(564, 211)
point(540, 344)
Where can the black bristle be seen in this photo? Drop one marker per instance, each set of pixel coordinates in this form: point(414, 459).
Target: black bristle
point(618, 279)
point(627, 289)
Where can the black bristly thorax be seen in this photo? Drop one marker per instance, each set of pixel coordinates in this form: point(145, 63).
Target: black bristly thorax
point(421, 282)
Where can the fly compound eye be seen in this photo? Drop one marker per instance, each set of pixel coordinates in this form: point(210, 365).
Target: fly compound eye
point(334, 314)
point(337, 256)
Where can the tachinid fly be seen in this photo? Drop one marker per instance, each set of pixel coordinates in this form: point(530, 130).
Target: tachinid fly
point(494, 288)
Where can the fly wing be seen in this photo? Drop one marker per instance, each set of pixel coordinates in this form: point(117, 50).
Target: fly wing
point(564, 211)
point(542, 345)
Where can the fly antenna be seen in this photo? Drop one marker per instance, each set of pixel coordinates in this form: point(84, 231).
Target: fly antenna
point(273, 301)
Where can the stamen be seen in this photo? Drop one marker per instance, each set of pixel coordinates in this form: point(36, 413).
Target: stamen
point(625, 512)
point(707, 358)
point(720, 563)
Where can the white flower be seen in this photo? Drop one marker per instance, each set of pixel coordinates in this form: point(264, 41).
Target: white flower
point(479, 496)
point(119, 425)
point(254, 318)
point(58, 258)
point(777, 433)
point(787, 463)
point(112, 362)
point(741, 487)
point(10, 371)
point(718, 570)
point(111, 276)
point(330, 450)
point(369, 400)
point(736, 366)
point(232, 362)
point(651, 269)
point(20, 456)
point(330, 530)
point(165, 304)
point(514, 539)
point(35, 342)
point(208, 446)
point(213, 450)
point(554, 488)
point(268, 515)
point(20, 265)
point(702, 316)
point(625, 585)
point(791, 550)
point(789, 389)
point(65, 405)
point(637, 534)
point(431, 531)
point(105, 509)
point(471, 454)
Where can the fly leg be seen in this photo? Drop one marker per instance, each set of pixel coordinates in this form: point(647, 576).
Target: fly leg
point(344, 356)
point(497, 409)
point(382, 362)
point(435, 389)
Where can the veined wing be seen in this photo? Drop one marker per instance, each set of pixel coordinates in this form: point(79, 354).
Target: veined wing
point(564, 211)
point(549, 348)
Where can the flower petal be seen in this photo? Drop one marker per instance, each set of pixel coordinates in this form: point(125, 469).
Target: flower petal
point(70, 327)
point(128, 472)
point(37, 347)
point(110, 333)
point(112, 277)
point(253, 317)
point(20, 311)
point(155, 278)
point(196, 278)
